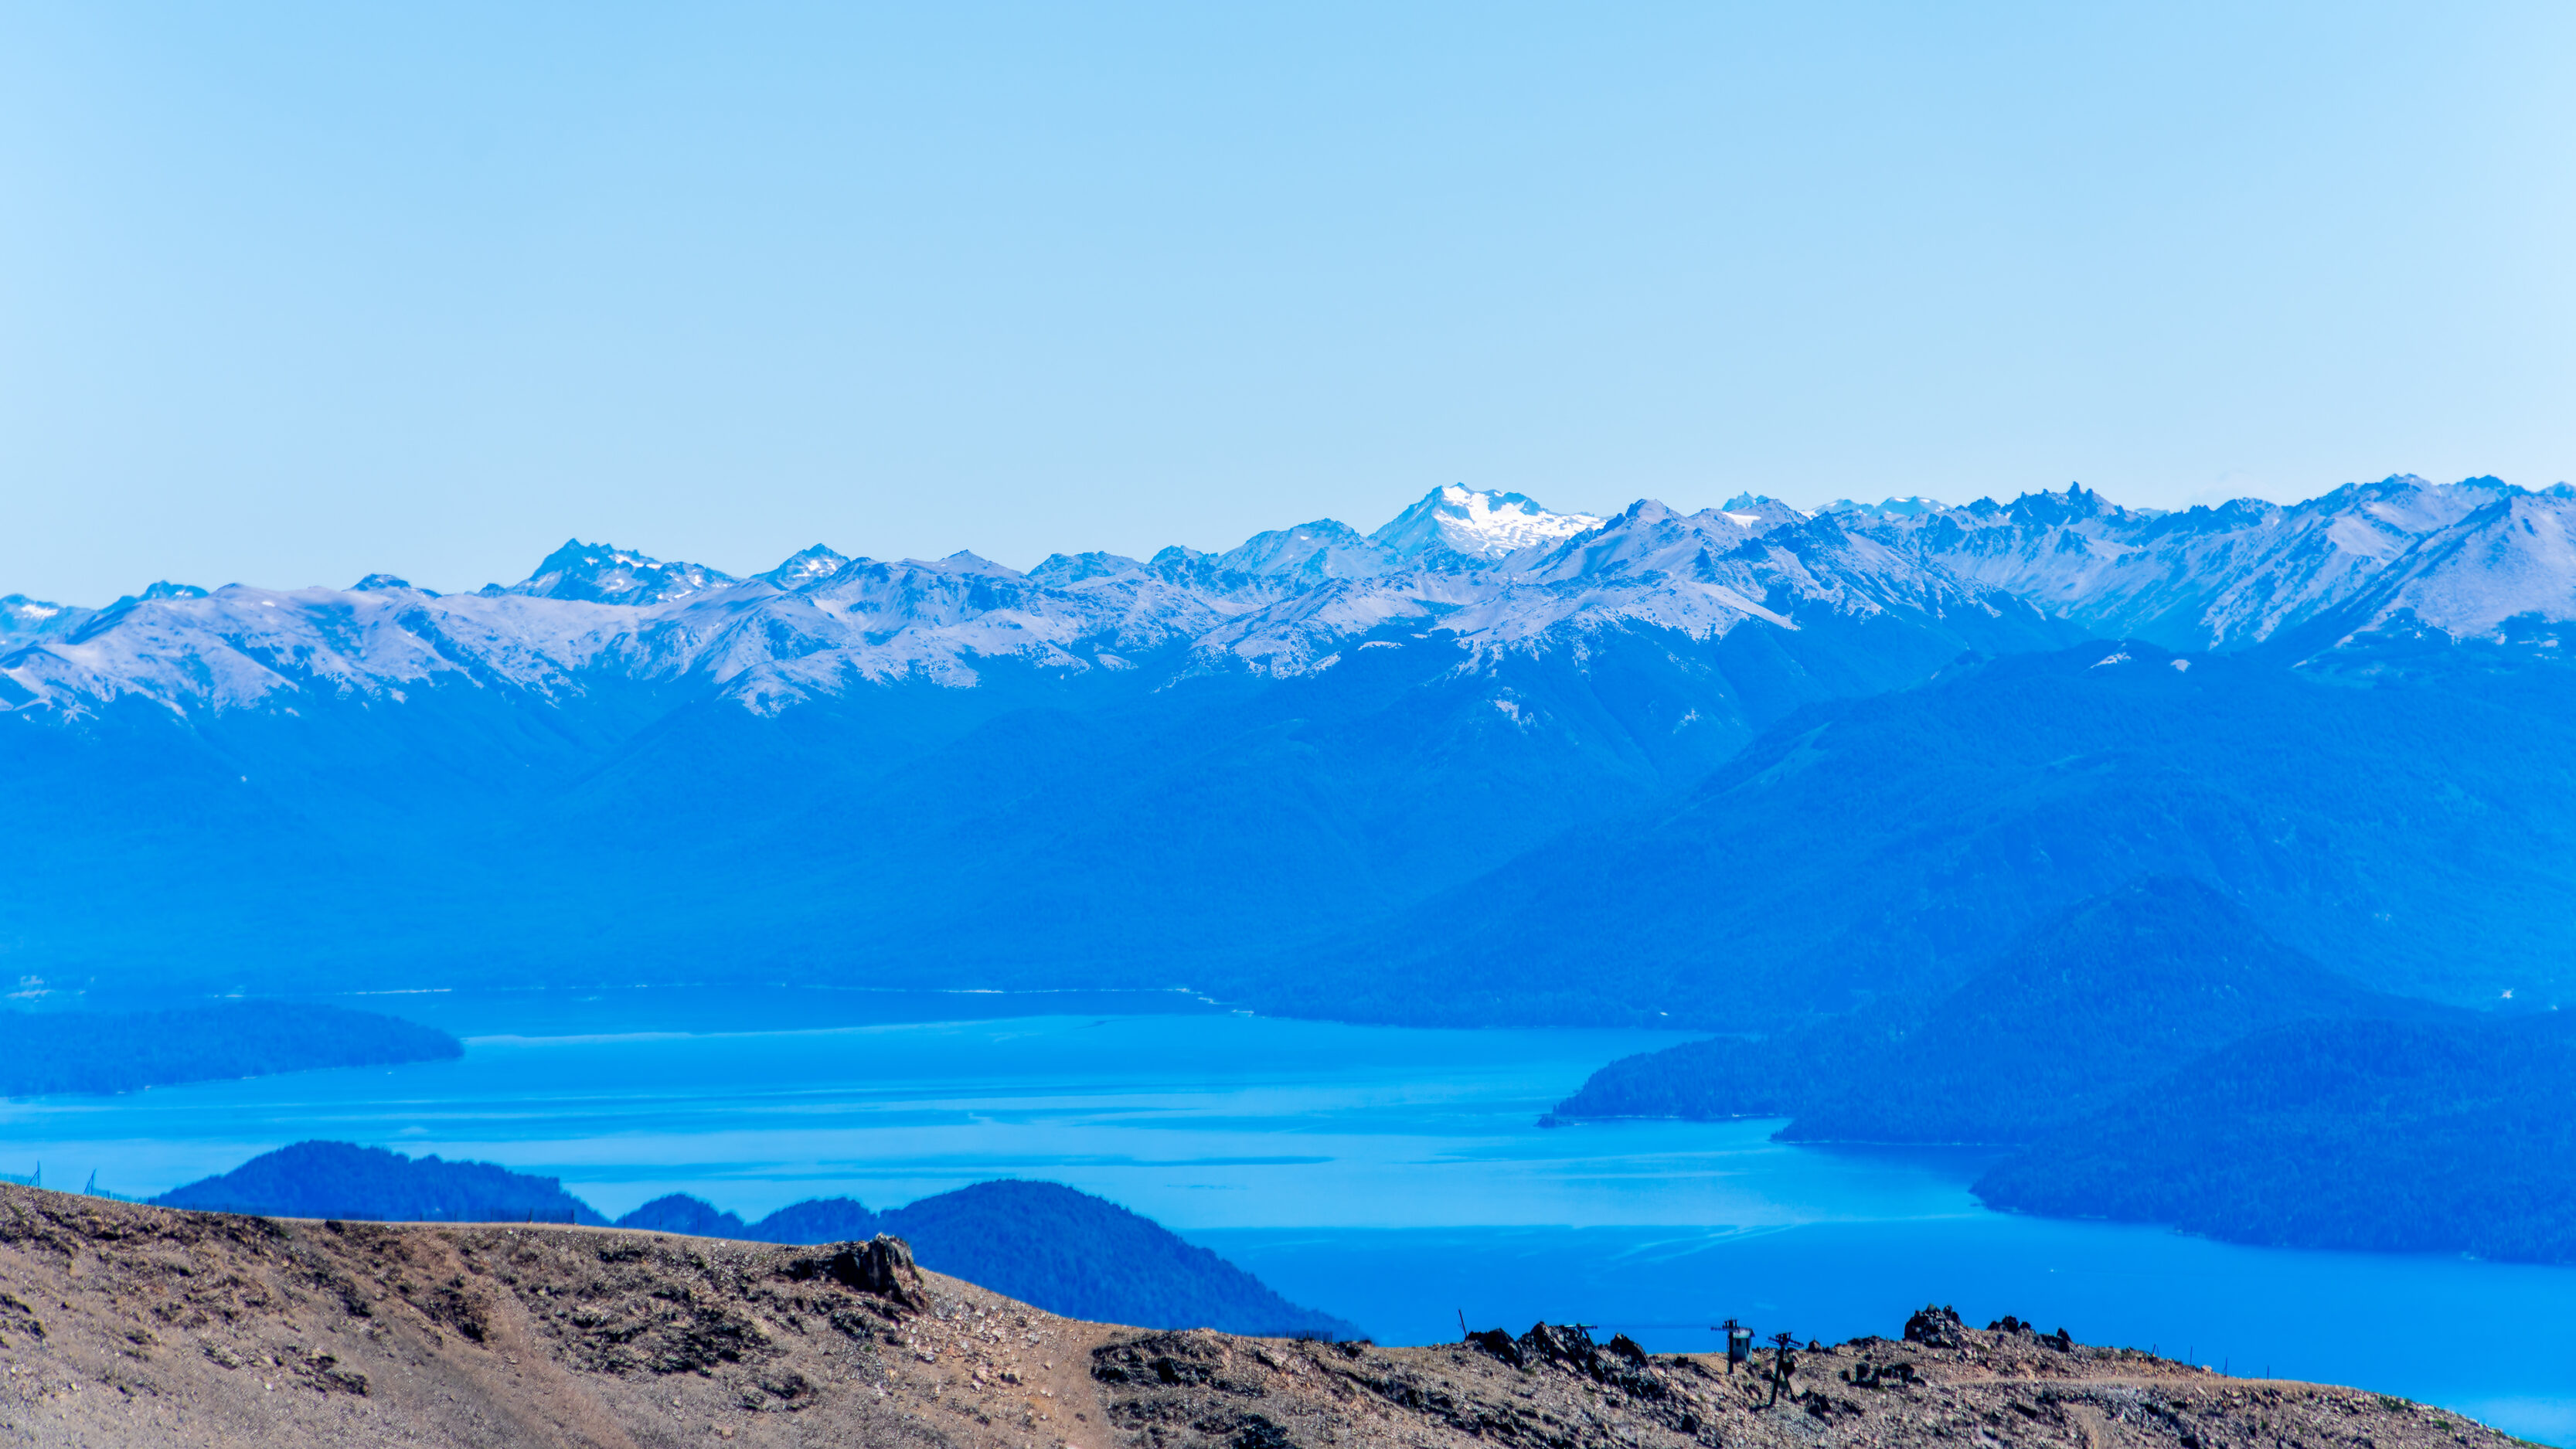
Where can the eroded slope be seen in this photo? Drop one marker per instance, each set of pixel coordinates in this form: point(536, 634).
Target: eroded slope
point(122, 1324)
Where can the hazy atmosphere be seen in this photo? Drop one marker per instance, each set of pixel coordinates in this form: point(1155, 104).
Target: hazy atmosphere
point(290, 294)
point(1288, 727)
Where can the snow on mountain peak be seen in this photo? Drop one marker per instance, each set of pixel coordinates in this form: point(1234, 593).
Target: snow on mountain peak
point(1910, 506)
point(2514, 559)
point(1476, 524)
point(22, 617)
point(2220, 577)
point(600, 573)
point(804, 567)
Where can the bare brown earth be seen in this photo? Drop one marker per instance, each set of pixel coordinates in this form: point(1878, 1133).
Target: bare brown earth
point(130, 1325)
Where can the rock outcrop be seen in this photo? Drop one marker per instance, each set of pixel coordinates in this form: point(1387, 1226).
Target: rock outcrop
point(123, 1324)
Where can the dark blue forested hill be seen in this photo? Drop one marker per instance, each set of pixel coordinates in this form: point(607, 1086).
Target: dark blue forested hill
point(341, 1180)
point(815, 1220)
point(1040, 1242)
point(2082, 1008)
point(119, 1051)
point(2413, 828)
point(2411, 1137)
point(1075, 1254)
point(678, 1212)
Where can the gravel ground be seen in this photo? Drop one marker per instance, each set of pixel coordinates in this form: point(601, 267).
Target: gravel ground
point(129, 1325)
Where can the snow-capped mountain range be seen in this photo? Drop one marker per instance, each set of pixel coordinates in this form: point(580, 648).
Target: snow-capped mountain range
point(2464, 559)
point(1493, 574)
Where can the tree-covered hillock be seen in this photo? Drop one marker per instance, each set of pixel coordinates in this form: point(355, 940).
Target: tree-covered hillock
point(342, 1180)
point(1040, 1242)
point(1071, 1253)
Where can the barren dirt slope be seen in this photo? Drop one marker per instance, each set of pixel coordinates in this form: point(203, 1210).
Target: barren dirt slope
point(130, 1325)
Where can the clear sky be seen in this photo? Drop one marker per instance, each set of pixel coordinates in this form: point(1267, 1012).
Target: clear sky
point(290, 293)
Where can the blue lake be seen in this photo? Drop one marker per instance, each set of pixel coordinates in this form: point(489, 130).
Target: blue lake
point(1395, 1177)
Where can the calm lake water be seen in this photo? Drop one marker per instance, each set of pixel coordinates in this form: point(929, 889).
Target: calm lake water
point(1394, 1177)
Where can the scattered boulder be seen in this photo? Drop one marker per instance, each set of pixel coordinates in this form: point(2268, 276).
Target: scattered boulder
point(1899, 1374)
point(1620, 1363)
point(2061, 1340)
point(1561, 1343)
point(883, 1265)
point(1935, 1326)
point(1828, 1408)
point(1498, 1342)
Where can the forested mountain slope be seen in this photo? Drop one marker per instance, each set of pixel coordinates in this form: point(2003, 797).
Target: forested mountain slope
point(2075, 1014)
point(2415, 831)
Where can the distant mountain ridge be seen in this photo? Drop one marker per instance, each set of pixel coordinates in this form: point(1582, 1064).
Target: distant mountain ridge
point(2465, 559)
point(1494, 571)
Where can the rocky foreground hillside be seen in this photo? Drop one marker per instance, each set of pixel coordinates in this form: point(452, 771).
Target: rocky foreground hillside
point(122, 1324)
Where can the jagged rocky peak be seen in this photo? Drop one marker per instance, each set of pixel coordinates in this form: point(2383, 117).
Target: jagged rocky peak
point(805, 568)
point(1477, 525)
point(600, 573)
point(1760, 512)
point(2077, 502)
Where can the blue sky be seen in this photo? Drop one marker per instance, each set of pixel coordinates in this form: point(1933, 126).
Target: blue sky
point(290, 293)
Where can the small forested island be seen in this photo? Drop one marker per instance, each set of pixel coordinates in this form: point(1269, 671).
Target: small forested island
point(45, 1052)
